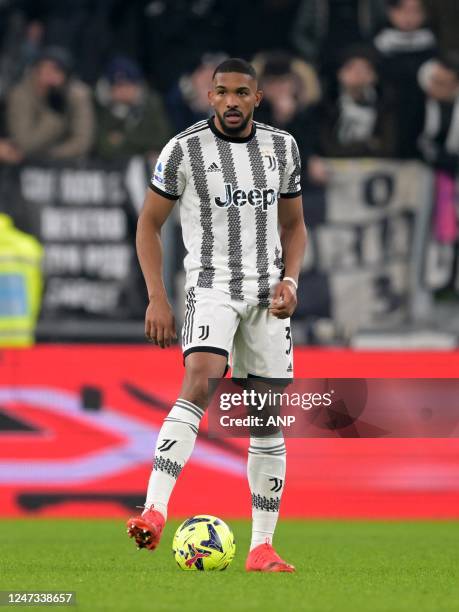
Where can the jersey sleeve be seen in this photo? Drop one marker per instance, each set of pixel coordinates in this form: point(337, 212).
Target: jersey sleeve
point(291, 183)
point(168, 177)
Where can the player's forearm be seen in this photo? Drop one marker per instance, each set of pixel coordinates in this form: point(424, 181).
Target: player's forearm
point(293, 240)
point(149, 252)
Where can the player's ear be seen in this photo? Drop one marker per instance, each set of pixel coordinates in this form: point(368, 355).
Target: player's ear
point(258, 98)
point(210, 96)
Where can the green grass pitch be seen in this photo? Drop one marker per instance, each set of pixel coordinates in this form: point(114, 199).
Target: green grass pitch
point(351, 566)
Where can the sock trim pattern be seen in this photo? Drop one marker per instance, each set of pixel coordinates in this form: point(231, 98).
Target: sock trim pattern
point(260, 502)
point(184, 401)
point(193, 428)
point(275, 449)
point(278, 445)
point(273, 452)
point(191, 408)
point(167, 466)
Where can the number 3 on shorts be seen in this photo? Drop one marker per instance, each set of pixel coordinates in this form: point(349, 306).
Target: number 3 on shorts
point(288, 337)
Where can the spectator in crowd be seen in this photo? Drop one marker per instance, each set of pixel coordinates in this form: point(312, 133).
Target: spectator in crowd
point(439, 146)
point(358, 121)
point(404, 44)
point(323, 29)
point(49, 112)
point(187, 101)
point(439, 140)
point(406, 36)
point(291, 90)
point(131, 119)
point(444, 18)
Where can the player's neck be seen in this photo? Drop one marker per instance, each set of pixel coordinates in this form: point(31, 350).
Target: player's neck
point(243, 136)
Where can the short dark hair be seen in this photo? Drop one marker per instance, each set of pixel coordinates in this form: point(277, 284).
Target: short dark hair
point(235, 64)
point(359, 51)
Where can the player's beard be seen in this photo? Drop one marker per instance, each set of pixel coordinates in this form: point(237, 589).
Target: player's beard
point(230, 130)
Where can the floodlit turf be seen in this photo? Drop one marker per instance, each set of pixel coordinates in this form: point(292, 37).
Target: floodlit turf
point(341, 566)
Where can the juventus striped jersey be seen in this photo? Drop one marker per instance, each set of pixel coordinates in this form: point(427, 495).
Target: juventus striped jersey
point(228, 190)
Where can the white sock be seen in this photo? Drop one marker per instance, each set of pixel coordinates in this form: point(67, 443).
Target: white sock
point(174, 446)
point(266, 472)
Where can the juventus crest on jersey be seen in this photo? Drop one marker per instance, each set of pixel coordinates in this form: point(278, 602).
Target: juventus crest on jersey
point(228, 190)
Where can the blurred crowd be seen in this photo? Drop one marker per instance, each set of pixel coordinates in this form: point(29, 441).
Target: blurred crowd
point(116, 78)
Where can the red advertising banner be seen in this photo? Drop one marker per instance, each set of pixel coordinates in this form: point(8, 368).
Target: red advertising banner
point(78, 426)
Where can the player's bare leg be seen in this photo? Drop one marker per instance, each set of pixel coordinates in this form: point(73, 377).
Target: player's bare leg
point(174, 446)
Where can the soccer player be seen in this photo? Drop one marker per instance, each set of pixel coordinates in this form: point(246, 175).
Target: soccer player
point(236, 181)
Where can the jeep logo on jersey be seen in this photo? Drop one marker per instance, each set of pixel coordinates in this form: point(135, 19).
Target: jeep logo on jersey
point(254, 197)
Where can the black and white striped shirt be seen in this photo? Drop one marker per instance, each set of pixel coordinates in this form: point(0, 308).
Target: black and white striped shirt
point(228, 190)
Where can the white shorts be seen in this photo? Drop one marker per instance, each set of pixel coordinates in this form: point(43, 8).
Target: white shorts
point(259, 343)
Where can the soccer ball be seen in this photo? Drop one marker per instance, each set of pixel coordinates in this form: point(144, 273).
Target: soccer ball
point(203, 542)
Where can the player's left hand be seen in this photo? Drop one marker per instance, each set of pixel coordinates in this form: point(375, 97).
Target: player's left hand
point(283, 302)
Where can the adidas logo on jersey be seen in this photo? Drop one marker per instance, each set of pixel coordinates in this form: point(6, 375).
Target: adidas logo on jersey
point(213, 168)
point(254, 197)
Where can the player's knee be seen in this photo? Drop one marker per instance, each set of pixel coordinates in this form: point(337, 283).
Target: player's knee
point(196, 387)
point(200, 372)
point(197, 393)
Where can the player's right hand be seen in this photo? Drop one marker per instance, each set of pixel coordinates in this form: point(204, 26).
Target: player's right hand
point(160, 322)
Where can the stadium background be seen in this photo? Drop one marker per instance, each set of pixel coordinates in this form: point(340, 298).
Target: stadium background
point(378, 294)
